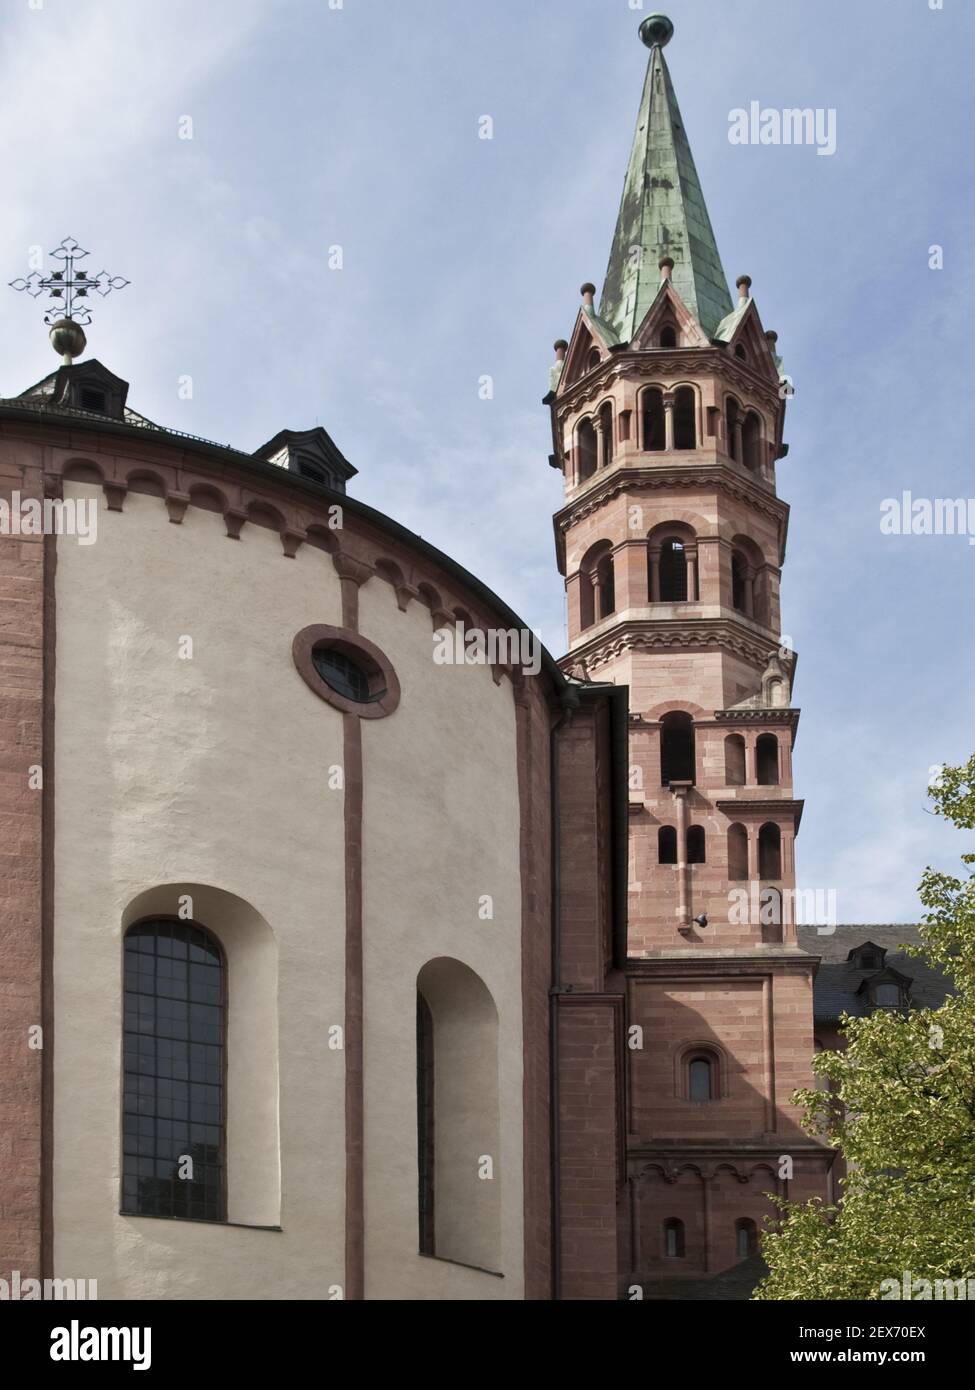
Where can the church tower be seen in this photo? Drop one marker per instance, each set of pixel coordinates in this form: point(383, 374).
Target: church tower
point(667, 409)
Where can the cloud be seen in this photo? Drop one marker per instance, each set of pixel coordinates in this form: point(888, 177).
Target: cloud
point(464, 257)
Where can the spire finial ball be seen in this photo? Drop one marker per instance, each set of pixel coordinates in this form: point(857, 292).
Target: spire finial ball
point(68, 340)
point(656, 31)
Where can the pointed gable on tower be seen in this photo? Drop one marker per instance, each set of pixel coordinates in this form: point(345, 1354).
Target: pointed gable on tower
point(592, 341)
point(668, 311)
point(742, 333)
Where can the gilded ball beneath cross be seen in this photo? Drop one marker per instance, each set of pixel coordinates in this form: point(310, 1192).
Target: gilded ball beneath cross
point(656, 31)
point(68, 338)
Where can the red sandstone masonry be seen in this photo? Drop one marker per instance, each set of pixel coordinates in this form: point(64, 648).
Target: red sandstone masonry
point(534, 722)
point(21, 747)
point(589, 1149)
point(590, 1021)
point(710, 1163)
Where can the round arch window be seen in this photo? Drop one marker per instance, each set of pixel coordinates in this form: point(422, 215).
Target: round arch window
point(346, 670)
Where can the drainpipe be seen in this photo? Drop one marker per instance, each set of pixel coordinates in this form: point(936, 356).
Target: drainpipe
point(570, 700)
point(680, 790)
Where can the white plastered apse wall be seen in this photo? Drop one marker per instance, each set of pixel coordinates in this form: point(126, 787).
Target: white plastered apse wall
point(214, 771)
point(441, 828)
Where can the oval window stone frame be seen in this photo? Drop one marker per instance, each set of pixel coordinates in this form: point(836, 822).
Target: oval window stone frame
point(353, 644)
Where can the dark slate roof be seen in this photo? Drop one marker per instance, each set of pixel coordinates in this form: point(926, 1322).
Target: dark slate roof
point(837, 987)
point(45, 410)
point(734, 1285)
point(737, 1283)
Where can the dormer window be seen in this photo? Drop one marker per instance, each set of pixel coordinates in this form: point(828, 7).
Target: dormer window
point(888, 988)
point(668, 336)
point(869, 956)
point(311, 454)
point(85, 386)
point(308, 470)
point(92, 400)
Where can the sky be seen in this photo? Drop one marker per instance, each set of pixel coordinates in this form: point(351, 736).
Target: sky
point(354, 124)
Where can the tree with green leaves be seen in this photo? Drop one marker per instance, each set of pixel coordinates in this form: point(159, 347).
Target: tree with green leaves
point(900, 1108)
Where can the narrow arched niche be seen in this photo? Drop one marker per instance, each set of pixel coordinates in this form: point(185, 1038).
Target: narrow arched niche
point(673, 1239)
point(751, 441)
point(767, 760)
point(677, 753)
point(769, 852)
point(685, 418)
point(597, 585)
point(673, 571)
point(746, 1239)
point(653, 431)
point(462, 1057)
point(737, 853)
point(586, 451)
point(607, 431)
point(734, 761)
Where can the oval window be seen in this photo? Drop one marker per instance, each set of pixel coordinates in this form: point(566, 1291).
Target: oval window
point(347, 670)
point(347, 675)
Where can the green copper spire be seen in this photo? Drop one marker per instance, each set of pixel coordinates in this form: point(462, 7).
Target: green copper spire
point(662, 212)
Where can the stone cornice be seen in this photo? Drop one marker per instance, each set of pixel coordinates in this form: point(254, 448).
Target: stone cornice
point(246, 491)
point(718, 1149)
point(755, 961)
point(721, 1150)
point(625, 477)
point(757, 716)
point(660, 364)
point(763, 718)
point(638, 635)
point(742, 809)
point(673, 1157)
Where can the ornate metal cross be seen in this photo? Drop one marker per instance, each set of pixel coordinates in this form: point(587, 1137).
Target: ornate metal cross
point(69, 284)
